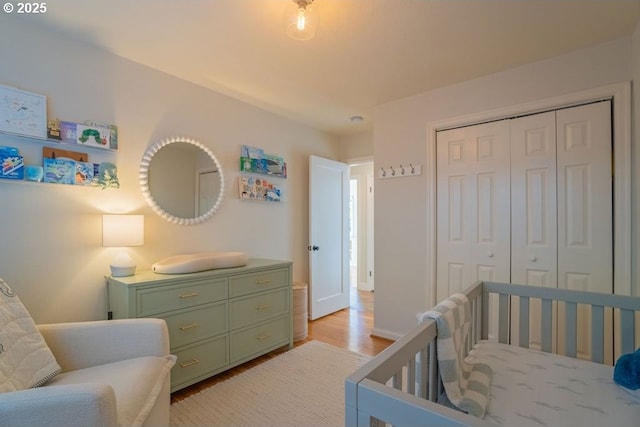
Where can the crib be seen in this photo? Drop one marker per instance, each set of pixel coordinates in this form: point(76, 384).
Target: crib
point(401, 386)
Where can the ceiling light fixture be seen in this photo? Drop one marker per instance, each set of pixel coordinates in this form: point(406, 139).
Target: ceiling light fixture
point(302, 25)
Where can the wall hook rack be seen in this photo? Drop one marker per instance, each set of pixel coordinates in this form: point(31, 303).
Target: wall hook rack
point(399, 171)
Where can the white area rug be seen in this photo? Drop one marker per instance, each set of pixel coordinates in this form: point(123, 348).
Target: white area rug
point(302, 387)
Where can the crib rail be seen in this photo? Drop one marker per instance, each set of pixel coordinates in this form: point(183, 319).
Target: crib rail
point(621, 337)
point(401, 385)
point(404, 379)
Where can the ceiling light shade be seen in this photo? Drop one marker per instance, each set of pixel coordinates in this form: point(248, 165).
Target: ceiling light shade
point(303, 22)
point(123, 231)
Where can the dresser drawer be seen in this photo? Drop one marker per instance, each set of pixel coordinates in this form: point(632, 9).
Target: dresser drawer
point(247, 342)
point(165, 298)
point(195, 324)
point(255, 282)
point(248, 310)
point(199, 360)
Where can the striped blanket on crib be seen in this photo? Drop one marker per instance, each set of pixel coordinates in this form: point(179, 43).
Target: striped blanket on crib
point(466, 384)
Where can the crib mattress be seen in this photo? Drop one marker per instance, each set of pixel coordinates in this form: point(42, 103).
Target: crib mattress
point(533, 388)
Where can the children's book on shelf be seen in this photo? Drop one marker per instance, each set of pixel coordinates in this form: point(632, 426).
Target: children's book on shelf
point(85, 173)
point(255, 160)
point(11, 163)
point(251, 188)
point(59, 171)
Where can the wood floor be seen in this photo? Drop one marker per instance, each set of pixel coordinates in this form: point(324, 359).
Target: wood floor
point(349, 328)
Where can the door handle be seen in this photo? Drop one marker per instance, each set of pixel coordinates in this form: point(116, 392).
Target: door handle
point(313, 248)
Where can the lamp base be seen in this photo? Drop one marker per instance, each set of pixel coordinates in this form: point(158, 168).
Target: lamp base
point(123, 265)
point(122, 271)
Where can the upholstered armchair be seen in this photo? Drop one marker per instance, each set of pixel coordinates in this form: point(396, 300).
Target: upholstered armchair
point(112, 373)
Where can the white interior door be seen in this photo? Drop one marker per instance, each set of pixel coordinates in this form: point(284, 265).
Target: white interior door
point(328, 236)
point(472, 206)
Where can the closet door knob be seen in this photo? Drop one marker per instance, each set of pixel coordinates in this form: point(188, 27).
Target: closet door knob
point(533, 258)
point(490, 254)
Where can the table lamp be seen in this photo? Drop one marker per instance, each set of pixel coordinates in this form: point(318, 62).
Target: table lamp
point(123, 231)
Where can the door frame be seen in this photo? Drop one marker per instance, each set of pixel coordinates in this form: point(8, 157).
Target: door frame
point(370, 237)
point(369, 285)
point(620, 95)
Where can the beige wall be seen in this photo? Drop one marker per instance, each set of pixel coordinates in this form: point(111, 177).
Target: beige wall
point(356, 147)
point(51, 251)
point(403, 287)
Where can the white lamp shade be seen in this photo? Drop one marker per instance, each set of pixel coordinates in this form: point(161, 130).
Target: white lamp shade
point(122, 230)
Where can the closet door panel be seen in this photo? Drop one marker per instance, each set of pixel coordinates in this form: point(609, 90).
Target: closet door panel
point(453, 269)
point(472, 206)
point(585, 213)
point(533, 200)
point(533, 208)
point(453, 227)
point(585, 220)
point(490, 249)
point(457, 234)
point(491, 241)
point(490, 255)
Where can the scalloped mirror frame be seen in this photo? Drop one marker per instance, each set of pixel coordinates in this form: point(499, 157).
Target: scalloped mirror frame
point(146, 191)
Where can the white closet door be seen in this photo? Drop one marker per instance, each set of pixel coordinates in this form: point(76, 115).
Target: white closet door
point(585, 213)
point(472, 206)
point(534, 241)
point(534, 256)
point(561, 198)
point(529, 201)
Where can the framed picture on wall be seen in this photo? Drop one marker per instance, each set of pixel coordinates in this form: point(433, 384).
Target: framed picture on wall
point(23, 113)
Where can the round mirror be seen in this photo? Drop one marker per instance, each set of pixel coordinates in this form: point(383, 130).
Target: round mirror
point(182, 180)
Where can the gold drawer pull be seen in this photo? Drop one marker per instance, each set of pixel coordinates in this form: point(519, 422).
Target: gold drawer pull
point(191, 295)
point(263, 282)
point(187, 364)
point(191, 326)
point(262, 337)
point(263, 306)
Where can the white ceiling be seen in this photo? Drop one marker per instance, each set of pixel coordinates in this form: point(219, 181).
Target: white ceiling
point(365, 52)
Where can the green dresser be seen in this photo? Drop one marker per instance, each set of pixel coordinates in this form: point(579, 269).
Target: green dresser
point(217, 319)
